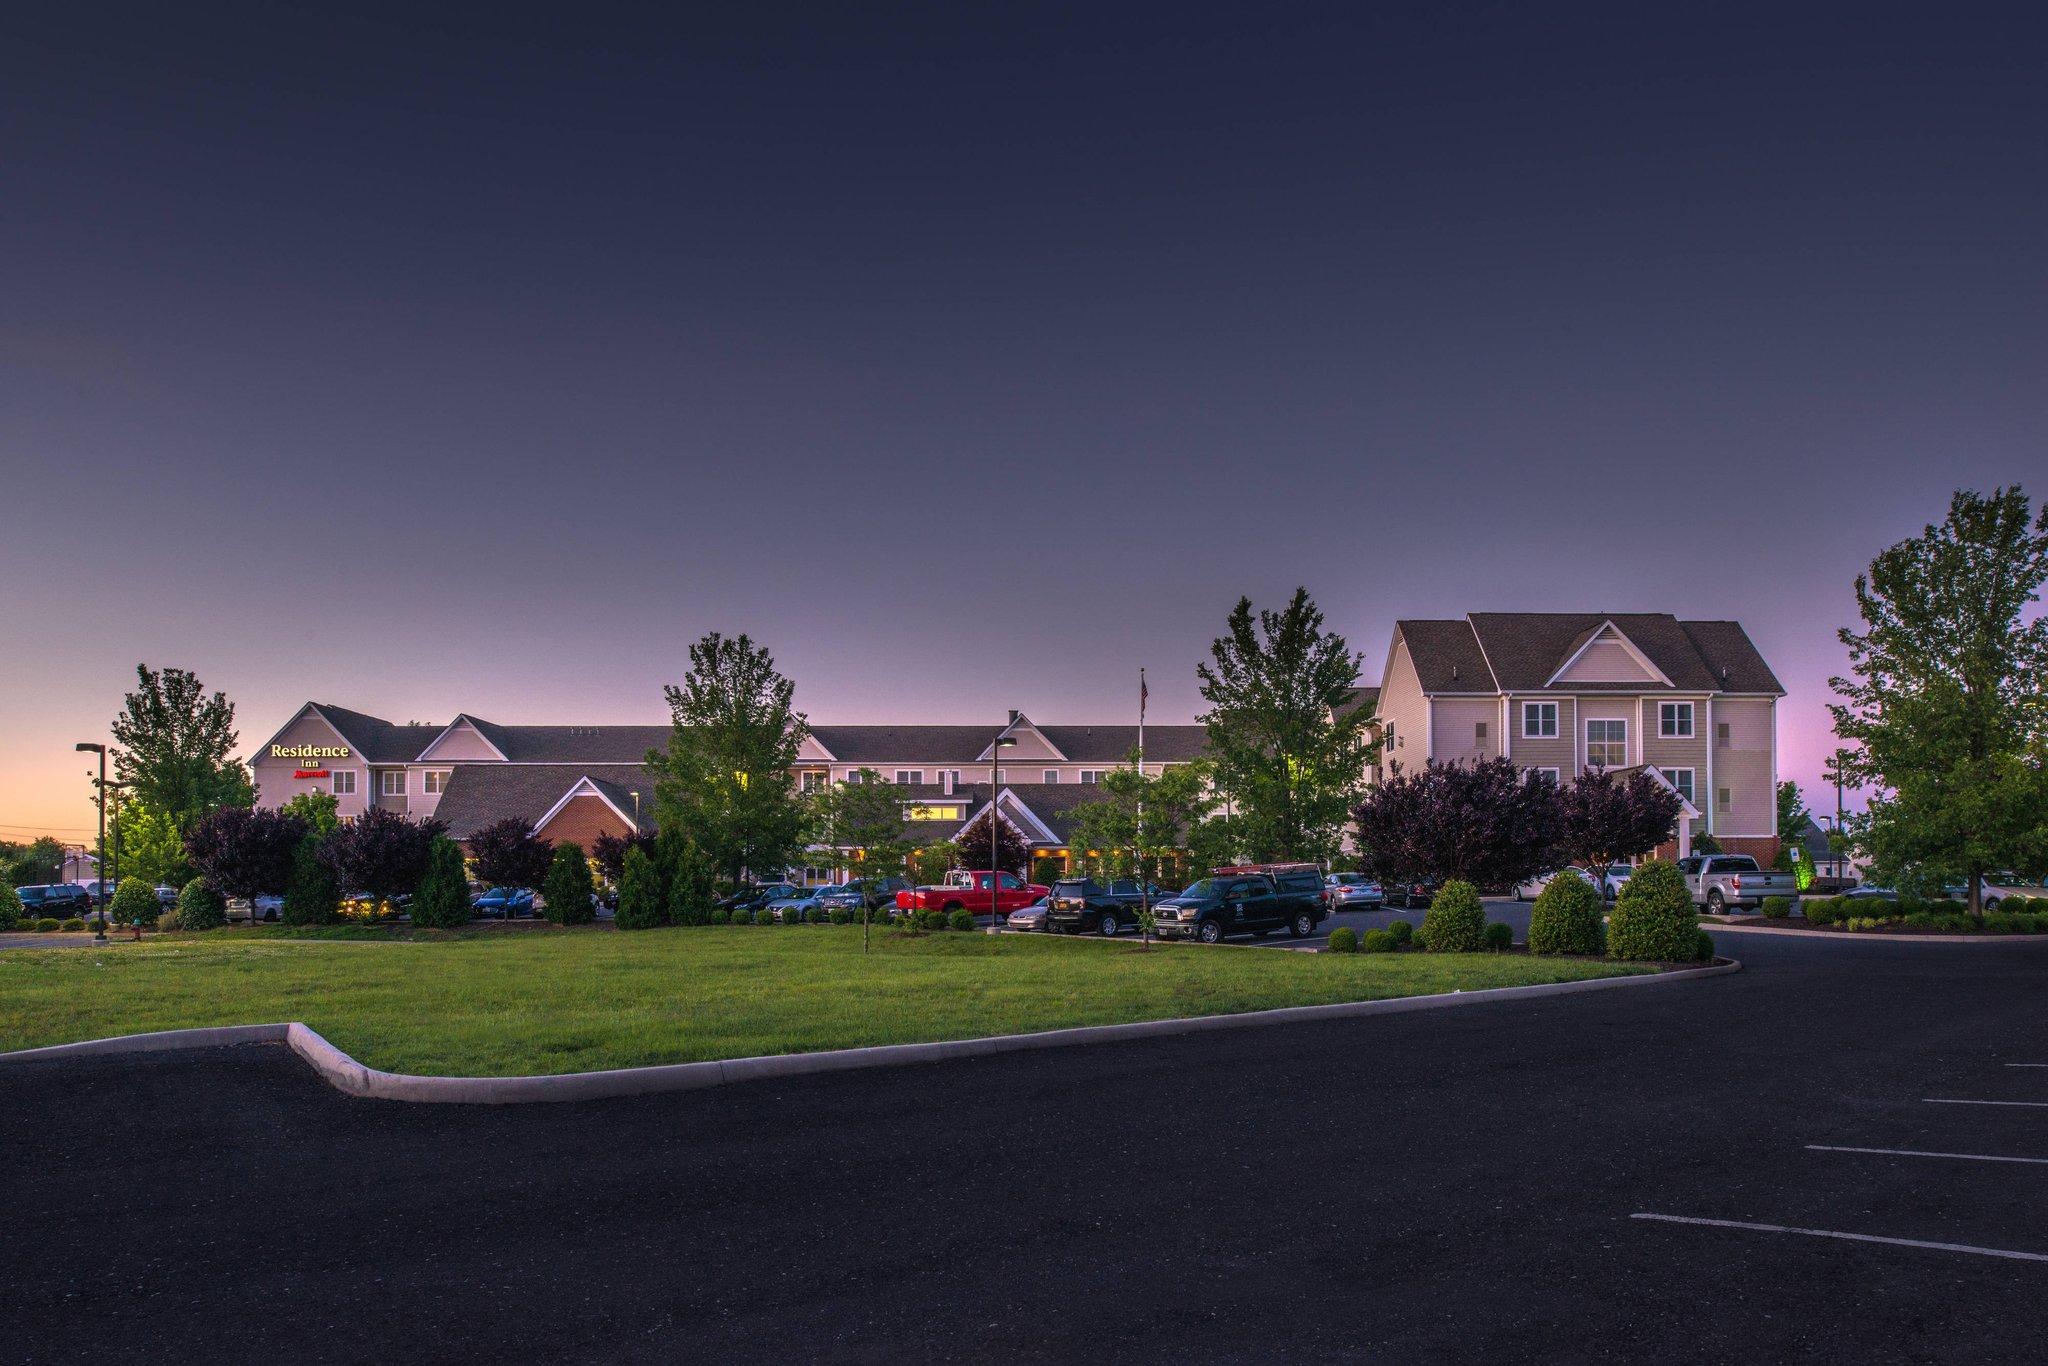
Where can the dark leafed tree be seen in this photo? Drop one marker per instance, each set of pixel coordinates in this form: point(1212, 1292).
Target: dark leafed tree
point(245, 852)
point(508, 854)
point(1007, 856)
point(608, 852)
point(1288, 748)
point(176, 745)
point(1608, 817)
point(380, 854)
point(1947, 703)
point(725, 774)
point(1484, 823)
point(38, 862)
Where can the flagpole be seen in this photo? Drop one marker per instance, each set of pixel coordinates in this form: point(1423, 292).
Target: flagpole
point(1144, 884)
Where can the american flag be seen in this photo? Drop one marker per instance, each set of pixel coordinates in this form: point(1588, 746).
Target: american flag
point(1144, 693)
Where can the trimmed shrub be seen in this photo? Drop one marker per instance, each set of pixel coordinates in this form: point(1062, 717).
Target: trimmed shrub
point(1344, 940)
point(1706, 946)
point(200, 906)
point(640, 899)
point(1824, 910)
point(1567, 918)
point(842, 915)
point(1654, 920)
point(568, 887)
point(1500, 937)
point(1379, 941)
point(1456, 923)
point(1402, 931)
point(1777, 907)
point(47, 925)
point(134, 903)
point(691, 893)
point(721, 916)
point(961, 920)
point(10, 907)
point(72, 925)
point(442, 899)
point(312, 898)
point(764, 916)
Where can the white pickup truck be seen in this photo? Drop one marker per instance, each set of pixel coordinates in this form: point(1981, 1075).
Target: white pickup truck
point(1719, 882)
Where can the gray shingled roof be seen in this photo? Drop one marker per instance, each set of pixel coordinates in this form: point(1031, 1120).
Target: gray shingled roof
point(1113, 744)
point(480, 794)
point(378, 740)
point(1522, 650)
point(883, 744)
point(573, 744)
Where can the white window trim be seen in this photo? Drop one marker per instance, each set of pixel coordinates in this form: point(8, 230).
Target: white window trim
point(1586, 725)
point(1050, 776)
point(335, 779)
point(1091, 775)
point(1556, 716)
point(1692, 777)
point(1551, 771)
point(1691, 731)
point(434, 781)
point(910, 777)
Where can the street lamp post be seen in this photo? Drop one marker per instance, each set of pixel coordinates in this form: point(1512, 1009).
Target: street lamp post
point(99, 889)
point(995, 792)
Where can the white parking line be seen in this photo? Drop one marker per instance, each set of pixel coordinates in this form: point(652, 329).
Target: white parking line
point(2023, 1104)
point(1914, 1152)
point(1849, 1237)
point(2027, 1064)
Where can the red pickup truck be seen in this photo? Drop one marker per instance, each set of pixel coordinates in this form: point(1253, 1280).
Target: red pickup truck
point(965, 891)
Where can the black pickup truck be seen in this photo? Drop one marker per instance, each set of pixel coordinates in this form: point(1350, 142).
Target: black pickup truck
point(1255, 900)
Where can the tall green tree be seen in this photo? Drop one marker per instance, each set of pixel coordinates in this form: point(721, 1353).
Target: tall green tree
point(1945, 705)
point(1140, 825)
point(1286, 749)
point(40, 862)
point(150, 845)
point(321, 811)
point(860, 822)
point(442, 900)
point(568, 887)
point(176, 747)
point(1792, 819)
point(725, 774)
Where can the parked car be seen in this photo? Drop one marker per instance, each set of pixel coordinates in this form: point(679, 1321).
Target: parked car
point(1352, 892)
point(166, 895)
point(1028, 919)
point(1610, 884)
point(1999, 886)
point(56, 900)
point(981, 893)
point(266, 907)
point(1718, 881)
point(801, 901)
point(1134, 894)
point(755, 895)
point(1418, 892)
point(1224, 904)
point(1081, 905)
point(879, 892)
point(505, 902)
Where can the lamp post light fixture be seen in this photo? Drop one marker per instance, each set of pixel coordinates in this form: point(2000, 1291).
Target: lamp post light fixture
point(99, 932)
point(995, 792)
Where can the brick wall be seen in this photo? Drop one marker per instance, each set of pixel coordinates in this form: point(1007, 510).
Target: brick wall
point(582, 821)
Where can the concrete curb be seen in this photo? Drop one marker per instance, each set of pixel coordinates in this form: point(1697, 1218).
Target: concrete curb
point(1855, 937)
point(345, 1074)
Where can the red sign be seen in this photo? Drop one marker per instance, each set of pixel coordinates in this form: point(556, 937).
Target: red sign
point(309, 773)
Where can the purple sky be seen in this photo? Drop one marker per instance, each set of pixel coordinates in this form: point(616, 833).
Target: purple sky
point(970, 357)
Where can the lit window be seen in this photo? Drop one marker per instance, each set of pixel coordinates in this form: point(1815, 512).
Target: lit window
point(434, 781)
point(1607, 744)
point(391, 782)
point(1674, 720)
point(1681, 778)
point(1539, 720)
point(344, 782)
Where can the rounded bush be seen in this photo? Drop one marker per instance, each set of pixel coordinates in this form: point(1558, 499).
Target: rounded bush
point(1379, 941)
point(10, 907)
point(1344, 941)
point(1500, 937)
point(200, 906)
point(721, 916)
point(1402, 931)
point(764, 916)
point(134, 903)
point(47, 925)
point(961, 920)
point(1705, 951)
point(1654, 920)
point(1456, 922)
point(1777, 907)
point(72, 925)
point(1567, 918)
point(842, 915)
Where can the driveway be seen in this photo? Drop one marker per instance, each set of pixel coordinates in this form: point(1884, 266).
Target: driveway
point(1439, 1186)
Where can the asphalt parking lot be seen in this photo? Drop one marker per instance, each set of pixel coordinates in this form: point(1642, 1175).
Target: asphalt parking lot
point(1448, 1185)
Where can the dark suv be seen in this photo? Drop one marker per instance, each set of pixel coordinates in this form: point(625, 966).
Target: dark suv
point(1244, 902)
point(55, 899)
point(1081, 905)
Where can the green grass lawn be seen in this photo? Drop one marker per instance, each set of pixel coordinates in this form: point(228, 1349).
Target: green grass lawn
point(575, 1000)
